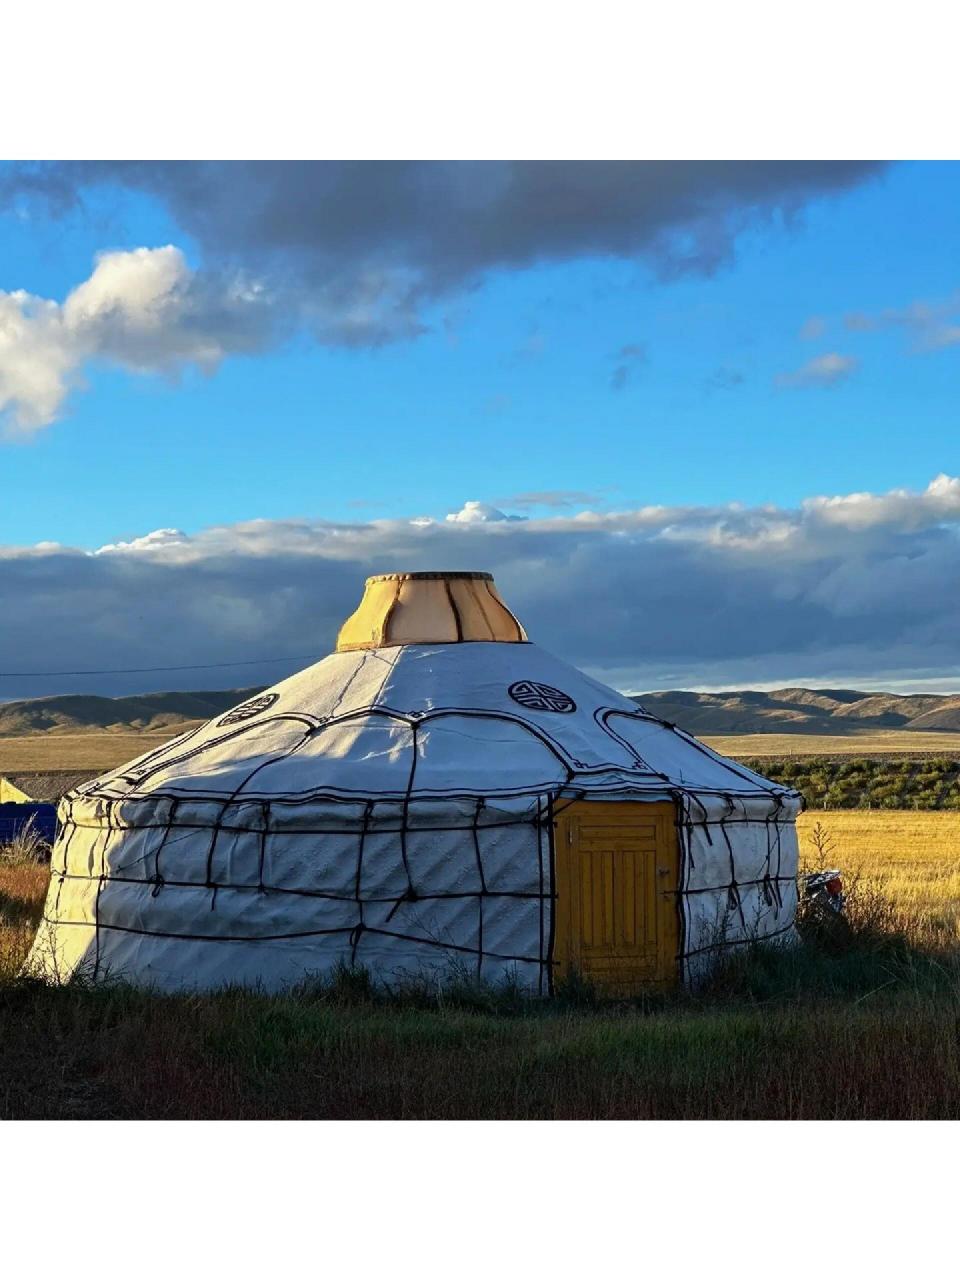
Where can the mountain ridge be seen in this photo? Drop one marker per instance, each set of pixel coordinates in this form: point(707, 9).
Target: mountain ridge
point(800, 710)
point(141, 713)
point(792, 709)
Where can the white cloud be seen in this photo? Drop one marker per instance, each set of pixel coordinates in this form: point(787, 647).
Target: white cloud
point(143, 310)
point(944, 335)
point(822, 371)
point(479, 513)
point(843, 588)
point(900, 508)
point(813, 327)
point(932, 326)
point(159, 539)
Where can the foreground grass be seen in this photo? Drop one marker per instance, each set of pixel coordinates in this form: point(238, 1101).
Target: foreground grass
point(240, 1056)
point(857, 1023)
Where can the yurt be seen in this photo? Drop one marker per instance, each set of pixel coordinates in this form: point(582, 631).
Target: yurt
point(439, 798)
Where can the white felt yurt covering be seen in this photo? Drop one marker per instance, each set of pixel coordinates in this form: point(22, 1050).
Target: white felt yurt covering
point(392, 806)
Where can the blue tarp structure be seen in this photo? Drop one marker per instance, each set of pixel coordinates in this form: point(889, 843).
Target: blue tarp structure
point(14, 817)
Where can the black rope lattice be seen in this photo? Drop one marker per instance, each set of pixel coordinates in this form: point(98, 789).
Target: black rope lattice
point(541, 889)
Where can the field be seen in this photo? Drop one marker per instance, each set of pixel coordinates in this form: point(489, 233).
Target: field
point(912, 742)
point(912, 858)
point(100, 750)
point(856, 1024)
point(97, 751)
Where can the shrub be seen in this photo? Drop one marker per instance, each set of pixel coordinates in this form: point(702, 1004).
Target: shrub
point(28, 845)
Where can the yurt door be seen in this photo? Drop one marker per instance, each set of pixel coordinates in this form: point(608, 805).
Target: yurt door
point(617, 870)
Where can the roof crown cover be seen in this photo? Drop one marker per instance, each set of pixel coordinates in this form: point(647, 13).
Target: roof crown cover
point(429, 608)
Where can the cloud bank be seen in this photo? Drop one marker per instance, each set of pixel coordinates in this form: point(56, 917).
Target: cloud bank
point(853, 588)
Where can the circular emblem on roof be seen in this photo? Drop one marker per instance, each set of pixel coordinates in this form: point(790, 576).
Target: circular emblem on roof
point(246, 710)
point(540, 697)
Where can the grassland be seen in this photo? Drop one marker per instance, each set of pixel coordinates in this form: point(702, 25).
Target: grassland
point(911, 858)
point(97, 751)
point(102, 749)
point(860, 1023)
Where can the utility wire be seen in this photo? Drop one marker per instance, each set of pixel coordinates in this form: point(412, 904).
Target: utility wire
point(132, 671)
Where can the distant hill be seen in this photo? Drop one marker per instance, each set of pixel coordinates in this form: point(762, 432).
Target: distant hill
point(87, 713)
point(821, 711)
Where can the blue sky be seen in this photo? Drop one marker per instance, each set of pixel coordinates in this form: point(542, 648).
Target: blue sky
point(510, 389)
point(598, 374)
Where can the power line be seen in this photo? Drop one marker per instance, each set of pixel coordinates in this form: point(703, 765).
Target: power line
point(136, 671)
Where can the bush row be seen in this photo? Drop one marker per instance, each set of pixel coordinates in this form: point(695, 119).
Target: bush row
point(860, 782)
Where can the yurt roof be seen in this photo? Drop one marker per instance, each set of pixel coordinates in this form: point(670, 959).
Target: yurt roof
point(462, 716)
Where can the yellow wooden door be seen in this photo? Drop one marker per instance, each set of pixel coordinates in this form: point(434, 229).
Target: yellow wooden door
point(617, 875)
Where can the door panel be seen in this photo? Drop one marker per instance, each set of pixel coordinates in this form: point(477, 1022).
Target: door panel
point(617, 869)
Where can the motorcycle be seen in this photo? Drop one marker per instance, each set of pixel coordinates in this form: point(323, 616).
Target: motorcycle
point(823, 892)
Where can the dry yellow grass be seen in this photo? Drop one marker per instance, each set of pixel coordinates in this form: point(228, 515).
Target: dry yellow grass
point(98, 751)
point(23, 886)
point(913, 855)
point(877, 742)
point(105, 749)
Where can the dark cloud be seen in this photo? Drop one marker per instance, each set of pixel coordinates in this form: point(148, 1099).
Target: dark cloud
point(553, 499)
point(724, 379)
point(361, 247)
point(629, 358)
point(846, 589)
